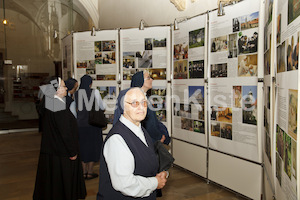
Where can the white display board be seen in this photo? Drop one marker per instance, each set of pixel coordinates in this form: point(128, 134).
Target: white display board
point(287, 101)
point(239, 175)
point(98, 56)
point(233, 70)
point(148, 49)
point(188, 85)
point(67, 61)
point(190, 157)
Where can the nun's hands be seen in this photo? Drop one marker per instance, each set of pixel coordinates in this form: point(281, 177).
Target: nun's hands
point(162, 138)
point(73, 158)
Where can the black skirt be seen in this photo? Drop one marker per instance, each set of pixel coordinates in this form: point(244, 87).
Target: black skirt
point(90, 143)
point(59, 178)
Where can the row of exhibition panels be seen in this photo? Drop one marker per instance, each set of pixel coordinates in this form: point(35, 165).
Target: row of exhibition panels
point(236, 162)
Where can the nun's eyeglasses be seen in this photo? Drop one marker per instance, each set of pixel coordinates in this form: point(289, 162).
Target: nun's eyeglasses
point(136, 104)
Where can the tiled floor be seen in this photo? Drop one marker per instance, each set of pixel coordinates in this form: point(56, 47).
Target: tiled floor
point(18, 162)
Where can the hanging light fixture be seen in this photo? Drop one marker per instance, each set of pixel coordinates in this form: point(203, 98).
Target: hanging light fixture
point(142, 25)
point(93, 32)
point(175, 25)
point(221, 9)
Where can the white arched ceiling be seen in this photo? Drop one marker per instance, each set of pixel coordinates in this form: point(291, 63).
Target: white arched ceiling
point(128, 13)
point(89, 8)
point(34, 9)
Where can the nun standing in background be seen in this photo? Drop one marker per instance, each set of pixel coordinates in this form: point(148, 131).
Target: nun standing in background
point(59, 173)
point(90, 137)
point(72, 86)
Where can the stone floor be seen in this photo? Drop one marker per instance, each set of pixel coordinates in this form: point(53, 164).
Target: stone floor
point(18, 162)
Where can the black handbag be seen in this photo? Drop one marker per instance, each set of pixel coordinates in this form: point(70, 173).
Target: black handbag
point(165, 159)
point(97, 116)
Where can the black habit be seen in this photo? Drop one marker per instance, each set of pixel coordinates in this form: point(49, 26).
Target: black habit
point(58, 177)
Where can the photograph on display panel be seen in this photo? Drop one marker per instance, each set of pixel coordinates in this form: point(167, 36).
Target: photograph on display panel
point(266, 118)
point(294, 159)
point(81, 64)
point(108, 45)
point(232, 46)
point(159, 42)
point(109, 57)
point(268, 145)
point(278, 168)
point(158, 74)
point(224, 114)
point(281, 63)
point(247, 65)
point(218, 70)
point(180, 51)
point(180, 69)
point(219, 44)
point(237, 96)
point(278, 35)
point(267, 61)
point(247, 42)
point(187, 124)
point(148, 44)
point(144, 59)
point(215, 129)
point(279, 141)
point(267, 39)
point(98, 58)
point(128, 73)
point(236, 25)
point(249, 104)
point(161, 115)
point(292, 114)
point(268, 11)
point(196, 94)
point(196, 69)
point(214, 110)
point(249, 21)
point(199, 126)
point(268, 97)
point(293, 10)
point(287, 158)
point(196, 38)
point(292, 52)
point(226, 131)
point(129, 60)
point(97, 46)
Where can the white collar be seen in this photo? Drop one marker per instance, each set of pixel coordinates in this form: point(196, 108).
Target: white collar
point(57, 97)
point(129, 124)
point(137, 130)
